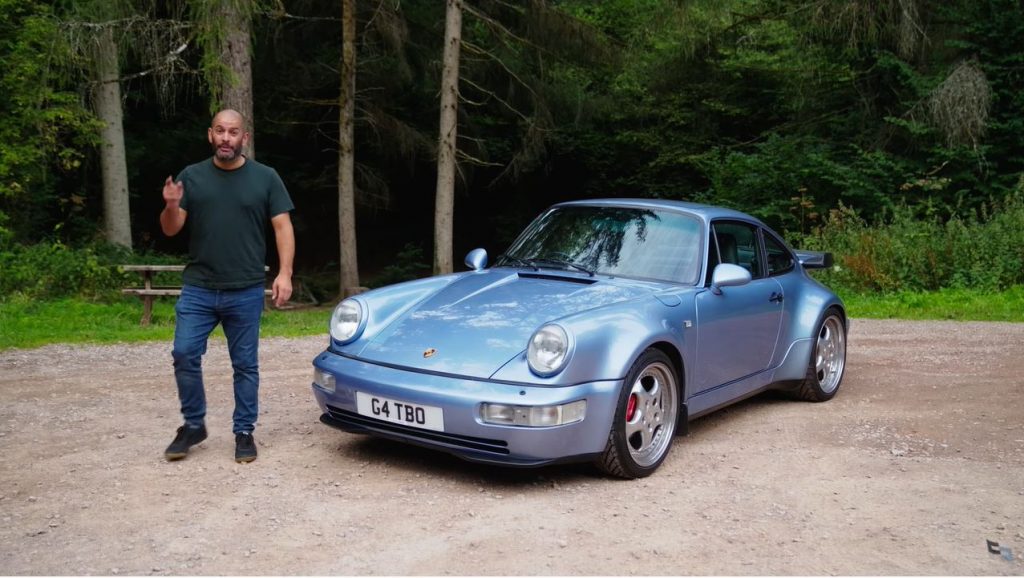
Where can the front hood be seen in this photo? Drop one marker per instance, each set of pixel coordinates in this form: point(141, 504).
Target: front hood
point(479, 322)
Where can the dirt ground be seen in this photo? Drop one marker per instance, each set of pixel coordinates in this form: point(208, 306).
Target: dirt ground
point(909, 470)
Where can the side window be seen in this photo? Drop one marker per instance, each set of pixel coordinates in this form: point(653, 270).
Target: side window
point(713, 259)
point(737, 243)
point(780, 260)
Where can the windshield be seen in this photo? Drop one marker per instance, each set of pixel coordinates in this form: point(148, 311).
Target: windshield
point(618, 241)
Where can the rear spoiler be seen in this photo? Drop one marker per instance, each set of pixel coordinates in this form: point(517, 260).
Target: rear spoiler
point(815, 259)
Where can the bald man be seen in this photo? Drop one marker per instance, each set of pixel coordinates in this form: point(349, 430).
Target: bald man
point(224, 203)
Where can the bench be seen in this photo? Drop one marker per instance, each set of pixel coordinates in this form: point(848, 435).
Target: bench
point(148, 292)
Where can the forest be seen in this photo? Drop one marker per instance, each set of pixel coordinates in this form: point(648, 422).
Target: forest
point(886, 131)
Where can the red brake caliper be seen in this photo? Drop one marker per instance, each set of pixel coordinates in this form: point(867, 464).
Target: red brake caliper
point(631, 407)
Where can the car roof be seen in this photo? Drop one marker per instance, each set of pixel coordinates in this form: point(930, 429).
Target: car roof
point(705, 212)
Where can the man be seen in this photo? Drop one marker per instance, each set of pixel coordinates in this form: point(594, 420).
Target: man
point(226, 202)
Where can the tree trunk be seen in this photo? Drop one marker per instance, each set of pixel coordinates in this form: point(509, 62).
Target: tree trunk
point(236, 54)
point(107, 102)
point(444, 202)
point(346, 154)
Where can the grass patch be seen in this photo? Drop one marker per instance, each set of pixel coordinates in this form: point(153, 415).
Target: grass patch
point(951, 304)
point(27, 323)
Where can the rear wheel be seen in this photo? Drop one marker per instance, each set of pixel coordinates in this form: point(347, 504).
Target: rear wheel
point(645, 418)
point(828, 360)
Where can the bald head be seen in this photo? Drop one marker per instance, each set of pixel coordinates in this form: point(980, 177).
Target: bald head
point(227, 136)
point(229, 116)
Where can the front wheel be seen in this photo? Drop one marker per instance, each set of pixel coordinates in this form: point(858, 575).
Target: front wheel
point(645, 419)
point(828, 360)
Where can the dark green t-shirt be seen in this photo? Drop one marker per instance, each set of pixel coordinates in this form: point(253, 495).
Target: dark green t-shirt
point(228, 213)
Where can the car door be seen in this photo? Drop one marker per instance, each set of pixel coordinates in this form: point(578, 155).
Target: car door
point(738, 328)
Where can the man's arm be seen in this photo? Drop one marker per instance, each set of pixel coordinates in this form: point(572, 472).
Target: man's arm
point(285, 237)
point(172, 218)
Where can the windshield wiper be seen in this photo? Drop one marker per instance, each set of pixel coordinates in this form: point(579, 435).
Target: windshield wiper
point(581, 268)
point(520, 261)
point(566, 265)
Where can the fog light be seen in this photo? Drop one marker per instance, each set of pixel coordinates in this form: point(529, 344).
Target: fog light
point(534, 415)
point(323, 380)
point(497, 413)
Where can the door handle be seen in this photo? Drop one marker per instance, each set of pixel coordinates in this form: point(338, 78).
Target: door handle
point(775, 298)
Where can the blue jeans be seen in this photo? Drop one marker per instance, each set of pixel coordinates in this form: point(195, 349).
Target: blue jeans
point(197, 312)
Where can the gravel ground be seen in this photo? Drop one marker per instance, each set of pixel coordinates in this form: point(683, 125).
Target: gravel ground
point(909, 470)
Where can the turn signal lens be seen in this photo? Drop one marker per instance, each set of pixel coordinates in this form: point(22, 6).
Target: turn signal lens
point(534, 415)
point(323, 380)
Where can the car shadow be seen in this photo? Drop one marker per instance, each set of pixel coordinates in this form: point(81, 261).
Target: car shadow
point(415, 460)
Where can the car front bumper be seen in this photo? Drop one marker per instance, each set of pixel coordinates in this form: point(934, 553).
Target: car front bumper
point(465, 434)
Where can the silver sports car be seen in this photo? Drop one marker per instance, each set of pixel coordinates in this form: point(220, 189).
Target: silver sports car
point(605, 327)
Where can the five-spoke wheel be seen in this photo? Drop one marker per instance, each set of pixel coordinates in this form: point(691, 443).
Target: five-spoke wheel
point(645, 420)
point(825, 372)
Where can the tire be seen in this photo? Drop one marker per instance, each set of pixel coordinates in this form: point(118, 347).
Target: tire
point(645, 419)
point(828, 360)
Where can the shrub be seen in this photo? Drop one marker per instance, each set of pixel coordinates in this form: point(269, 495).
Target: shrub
point(409, 264)
point(54, 270)
point(906, 251)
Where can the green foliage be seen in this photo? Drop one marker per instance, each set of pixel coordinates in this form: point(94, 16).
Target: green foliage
point(45, 132)
point(991, 32)
point(789, 109)
point(53, 270)
point(787, 180)
point(409, 264)
point(909, 251)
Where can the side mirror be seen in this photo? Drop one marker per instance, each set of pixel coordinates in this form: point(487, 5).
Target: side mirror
point(476, 259)
point(728, 275)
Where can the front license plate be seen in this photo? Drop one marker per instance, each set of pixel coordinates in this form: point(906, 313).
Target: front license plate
point(400, 412)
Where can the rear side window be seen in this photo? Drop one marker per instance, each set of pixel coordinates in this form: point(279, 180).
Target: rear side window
point(780, 260)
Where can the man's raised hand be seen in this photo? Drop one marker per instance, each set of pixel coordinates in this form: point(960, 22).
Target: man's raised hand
point(173, 191)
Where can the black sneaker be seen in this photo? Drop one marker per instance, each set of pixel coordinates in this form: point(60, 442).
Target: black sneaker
point(188, 436)
point(245, 448)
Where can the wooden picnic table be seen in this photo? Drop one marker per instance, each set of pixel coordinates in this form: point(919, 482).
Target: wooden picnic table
point(148, 292)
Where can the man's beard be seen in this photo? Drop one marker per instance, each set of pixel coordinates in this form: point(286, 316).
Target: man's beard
point(227, 157)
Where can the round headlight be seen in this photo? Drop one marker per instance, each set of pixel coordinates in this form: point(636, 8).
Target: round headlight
point(548, 350)
point(346, 320)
